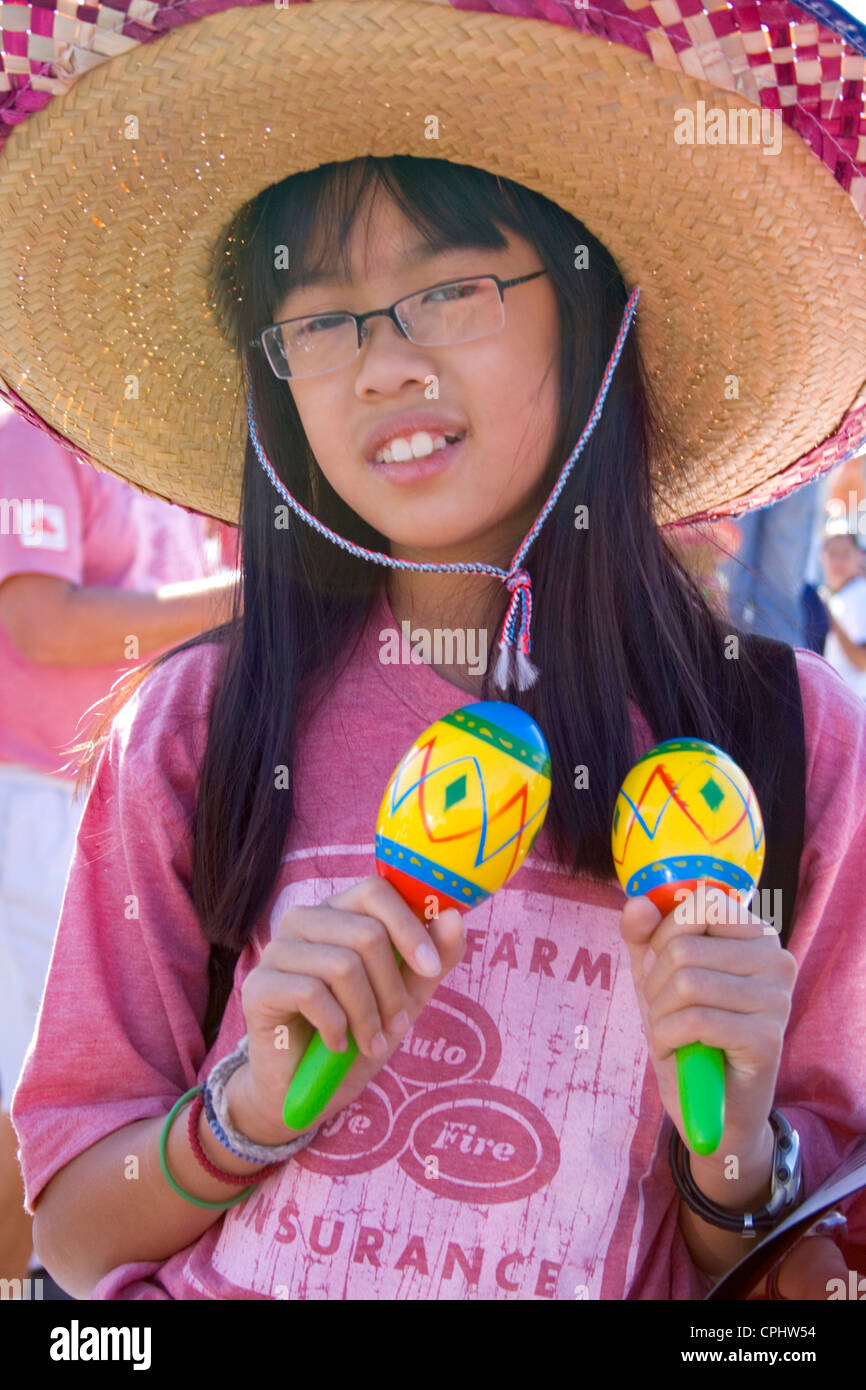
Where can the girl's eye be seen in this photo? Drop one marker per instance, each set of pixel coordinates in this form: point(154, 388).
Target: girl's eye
point(464, 289)
point(319, 325)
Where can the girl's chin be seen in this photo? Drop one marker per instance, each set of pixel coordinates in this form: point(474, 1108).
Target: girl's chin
point(425, 539)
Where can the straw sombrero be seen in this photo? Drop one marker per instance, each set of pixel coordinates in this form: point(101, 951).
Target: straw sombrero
point(130, 134)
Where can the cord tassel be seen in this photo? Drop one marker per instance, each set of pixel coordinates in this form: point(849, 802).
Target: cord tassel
point(526, 673)
point(502, 669)
point(513, 666)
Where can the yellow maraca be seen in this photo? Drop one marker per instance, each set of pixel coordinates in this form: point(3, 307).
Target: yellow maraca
point(459, 816)
point(686, 812)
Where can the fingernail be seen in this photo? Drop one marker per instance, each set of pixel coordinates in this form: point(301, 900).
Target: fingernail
point(399, 1023)
point(427, 960)
point(379, 1045)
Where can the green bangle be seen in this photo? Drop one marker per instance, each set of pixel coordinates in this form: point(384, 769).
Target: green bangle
point(163, 1139)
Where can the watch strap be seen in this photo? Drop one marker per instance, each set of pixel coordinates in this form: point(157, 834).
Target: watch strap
point(786, 1189)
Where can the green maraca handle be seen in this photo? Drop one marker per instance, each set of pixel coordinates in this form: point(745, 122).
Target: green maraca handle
point(317, 1079)
point(701, 1083)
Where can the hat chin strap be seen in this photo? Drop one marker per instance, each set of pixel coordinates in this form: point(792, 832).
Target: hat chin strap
point(514, 667)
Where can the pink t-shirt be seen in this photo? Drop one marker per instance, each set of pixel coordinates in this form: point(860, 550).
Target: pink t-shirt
point(553, 1177)
point(93, 529)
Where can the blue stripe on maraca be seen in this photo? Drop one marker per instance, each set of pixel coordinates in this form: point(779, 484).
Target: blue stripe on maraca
point(426, 871)
point(685, 867)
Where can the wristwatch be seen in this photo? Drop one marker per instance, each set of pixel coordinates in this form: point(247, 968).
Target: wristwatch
point(784, 1195)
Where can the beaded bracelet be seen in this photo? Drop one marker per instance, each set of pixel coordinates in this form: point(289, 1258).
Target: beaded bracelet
point(237, 1179)
point(219, 1119)
point(197, 1201)
point(214, 1099)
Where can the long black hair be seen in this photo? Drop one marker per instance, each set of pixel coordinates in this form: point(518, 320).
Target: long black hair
point(617, 614)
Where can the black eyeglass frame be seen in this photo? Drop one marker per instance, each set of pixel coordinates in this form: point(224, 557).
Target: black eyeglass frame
point(390, 312)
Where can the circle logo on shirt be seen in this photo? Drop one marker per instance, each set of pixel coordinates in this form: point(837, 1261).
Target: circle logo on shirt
point(434, 1108)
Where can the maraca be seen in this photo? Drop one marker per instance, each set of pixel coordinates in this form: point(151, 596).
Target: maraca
point(459, 816)
point(686, 812)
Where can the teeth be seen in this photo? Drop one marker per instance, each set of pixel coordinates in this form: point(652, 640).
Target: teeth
point(417, 446)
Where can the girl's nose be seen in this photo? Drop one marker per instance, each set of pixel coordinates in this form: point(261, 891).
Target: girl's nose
point(386, 351)
point(384, 325)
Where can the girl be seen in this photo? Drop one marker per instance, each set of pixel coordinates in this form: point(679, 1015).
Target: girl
point(423, 342)
point(501, 1133)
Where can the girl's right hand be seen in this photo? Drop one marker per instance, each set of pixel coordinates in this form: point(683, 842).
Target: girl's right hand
point(331, 968)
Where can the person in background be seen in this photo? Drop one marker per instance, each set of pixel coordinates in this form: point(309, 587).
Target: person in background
point(816, 623)
point(765, 580)
point(844, 594)
point(846, 492)
point(94, 577)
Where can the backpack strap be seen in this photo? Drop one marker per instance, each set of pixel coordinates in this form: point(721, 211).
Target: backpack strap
point(784, 812)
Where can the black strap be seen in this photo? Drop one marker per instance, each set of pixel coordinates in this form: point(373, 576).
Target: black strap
point(783, 812)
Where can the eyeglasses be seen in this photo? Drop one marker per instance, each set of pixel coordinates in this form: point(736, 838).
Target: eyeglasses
point(457, 311)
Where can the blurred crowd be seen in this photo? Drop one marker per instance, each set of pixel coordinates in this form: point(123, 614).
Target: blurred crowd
point(794, 570)
point(96, 577)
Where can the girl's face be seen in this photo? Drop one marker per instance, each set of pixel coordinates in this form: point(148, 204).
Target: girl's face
point(502, 389)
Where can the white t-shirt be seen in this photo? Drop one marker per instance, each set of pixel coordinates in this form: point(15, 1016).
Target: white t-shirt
point(848, 607)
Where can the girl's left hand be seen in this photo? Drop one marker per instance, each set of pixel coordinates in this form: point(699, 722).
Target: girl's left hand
point(725, 984)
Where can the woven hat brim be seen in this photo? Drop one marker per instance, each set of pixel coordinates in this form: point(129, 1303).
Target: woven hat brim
point(752, 265)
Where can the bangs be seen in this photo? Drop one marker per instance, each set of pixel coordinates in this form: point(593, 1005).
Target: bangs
point(316, 211)
point(297, 230)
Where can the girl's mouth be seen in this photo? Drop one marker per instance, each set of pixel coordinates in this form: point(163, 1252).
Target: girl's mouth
point(411, 470)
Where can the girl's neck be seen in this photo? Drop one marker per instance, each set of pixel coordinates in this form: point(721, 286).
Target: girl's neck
point(458, 608)
point(442, 600)
point(470, 605)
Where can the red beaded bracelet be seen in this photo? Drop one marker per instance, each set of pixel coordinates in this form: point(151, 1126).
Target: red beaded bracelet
point(237, 1179)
